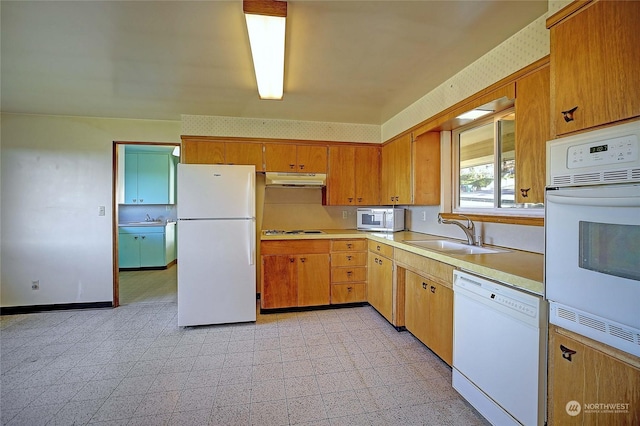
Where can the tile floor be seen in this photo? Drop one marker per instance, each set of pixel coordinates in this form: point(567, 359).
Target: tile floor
point(134, 366)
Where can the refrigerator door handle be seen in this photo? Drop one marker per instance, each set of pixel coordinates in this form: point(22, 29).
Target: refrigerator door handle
point(252, 243)
point(252, 194)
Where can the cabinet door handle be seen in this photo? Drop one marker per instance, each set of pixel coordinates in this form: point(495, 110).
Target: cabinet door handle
point(376, 260)
point(524, 192)
point(135, 238)
point(567, 353)
point(380, 261)
point(350, 199)
point(378, 248)
point(292, 166)
point(568, 114)
point(397, 198)
point(141, 200)
point(433, 289)
point(135, 200)
point(424, 286)
point(291, 259)
point(359, 199)
point(302, 259)
point(301, 166)
point(143, 237)
point(349, 289)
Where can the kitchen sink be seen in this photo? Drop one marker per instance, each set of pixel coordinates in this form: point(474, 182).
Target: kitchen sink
point(148, 222)
point(453, 247)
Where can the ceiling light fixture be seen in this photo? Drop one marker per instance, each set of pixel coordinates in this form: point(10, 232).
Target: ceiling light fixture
point(266, 26)
point(473, 114)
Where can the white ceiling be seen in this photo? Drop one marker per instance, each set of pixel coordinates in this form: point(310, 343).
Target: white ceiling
point(346, 61)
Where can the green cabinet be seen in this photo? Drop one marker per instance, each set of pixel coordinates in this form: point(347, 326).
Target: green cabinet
point(149, 178)
point(146, 246)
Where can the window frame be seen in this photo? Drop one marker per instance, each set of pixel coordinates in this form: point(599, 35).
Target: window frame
point(496, 210)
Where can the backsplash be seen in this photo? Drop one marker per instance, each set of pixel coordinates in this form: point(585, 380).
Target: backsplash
point(131, 213)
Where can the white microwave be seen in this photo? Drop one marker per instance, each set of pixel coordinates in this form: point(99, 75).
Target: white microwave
point(384, 219)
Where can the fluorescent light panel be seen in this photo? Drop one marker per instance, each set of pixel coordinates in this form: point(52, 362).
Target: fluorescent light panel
point(473, 114)
point(266, 21)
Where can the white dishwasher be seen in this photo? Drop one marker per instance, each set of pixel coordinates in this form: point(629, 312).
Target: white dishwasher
point(499, 350)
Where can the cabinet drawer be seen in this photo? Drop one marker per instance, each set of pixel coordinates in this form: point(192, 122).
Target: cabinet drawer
point(349, 259)
point(382, 249)
point(347, 275)
point(348, 245)
point(433, 269)
point(348, 293)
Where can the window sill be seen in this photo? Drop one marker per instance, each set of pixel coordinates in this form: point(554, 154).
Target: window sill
point(508, 219)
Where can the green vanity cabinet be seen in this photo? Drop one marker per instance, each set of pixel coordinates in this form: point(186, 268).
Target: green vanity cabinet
point(146, 246)
point(149, 178)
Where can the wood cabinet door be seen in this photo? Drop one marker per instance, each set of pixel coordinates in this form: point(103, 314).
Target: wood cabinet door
point(367, 175)
point(202, 152)
point(280, 157)
point(440, 320)
point(387, 175)
point(279, 282)
point(426, 169)
point(580, 373)
point(416, 313)
point(244, 154)
point(532, 133)
point(314, 285)
point(380, 284)
point(341, 185)
point(311, 159)
point(403, 170)
point(594, 64)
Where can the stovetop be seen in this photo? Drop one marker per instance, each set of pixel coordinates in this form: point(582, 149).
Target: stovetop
point(291, 232)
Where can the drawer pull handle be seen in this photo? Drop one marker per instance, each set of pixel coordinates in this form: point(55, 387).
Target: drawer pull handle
point(568, 114)
point(378, 248)
point(349, 245)
point(567, 353)
point(349, 289)
point(349, 273)
point(424, 286)
point(349, 257)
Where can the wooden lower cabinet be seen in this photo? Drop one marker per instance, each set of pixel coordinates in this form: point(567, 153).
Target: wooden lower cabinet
point(380, 284)
point(348, 271)
point(429, 314)
point(295, 273)
point(585, 376)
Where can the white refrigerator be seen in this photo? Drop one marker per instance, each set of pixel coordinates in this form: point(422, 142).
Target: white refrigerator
point(216, 244)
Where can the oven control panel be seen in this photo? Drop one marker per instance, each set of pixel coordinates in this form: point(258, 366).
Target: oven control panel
point(612, 151)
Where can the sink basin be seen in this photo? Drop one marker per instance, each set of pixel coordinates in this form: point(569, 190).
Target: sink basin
point(453, 247)
point(152, 222)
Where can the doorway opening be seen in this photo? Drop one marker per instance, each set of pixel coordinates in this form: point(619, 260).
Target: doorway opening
point(144, 221)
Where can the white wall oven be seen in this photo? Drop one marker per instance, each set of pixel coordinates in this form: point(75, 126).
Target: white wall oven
point(592, 230)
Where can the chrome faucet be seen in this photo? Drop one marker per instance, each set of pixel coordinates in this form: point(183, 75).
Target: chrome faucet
point(148, 218)
point(469, 229)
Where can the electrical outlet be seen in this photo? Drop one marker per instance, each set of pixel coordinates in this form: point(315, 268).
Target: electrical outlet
point(35, 285)
point(344, 214)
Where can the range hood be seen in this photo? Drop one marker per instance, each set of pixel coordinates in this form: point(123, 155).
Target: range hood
point(297, 180)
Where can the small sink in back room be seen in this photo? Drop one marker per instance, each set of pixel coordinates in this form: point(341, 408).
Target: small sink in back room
point(453, 247)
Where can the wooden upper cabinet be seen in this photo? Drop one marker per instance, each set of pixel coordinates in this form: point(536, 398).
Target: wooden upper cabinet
point(295, 158)
point(426, 169)
point(367, 175)
point(280, 157)
point(354, 175)
point(595, 63)
point(341, 183)
point(395, 186)
point(244, 153)
point(532, 133)
point(220, 152)
point(202, 152)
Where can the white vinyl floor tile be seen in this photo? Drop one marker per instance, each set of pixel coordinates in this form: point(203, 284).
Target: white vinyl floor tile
point(133, 365)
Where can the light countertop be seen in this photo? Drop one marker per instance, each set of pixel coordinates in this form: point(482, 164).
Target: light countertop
point(517, 268)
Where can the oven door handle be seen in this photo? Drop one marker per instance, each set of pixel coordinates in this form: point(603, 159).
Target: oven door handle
point(630, 201)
